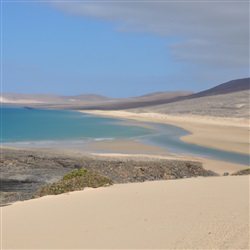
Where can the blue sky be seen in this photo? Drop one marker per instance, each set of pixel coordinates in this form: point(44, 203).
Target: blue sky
point(122, 48)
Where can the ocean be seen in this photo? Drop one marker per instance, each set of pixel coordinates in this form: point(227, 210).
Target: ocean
point(22, 127)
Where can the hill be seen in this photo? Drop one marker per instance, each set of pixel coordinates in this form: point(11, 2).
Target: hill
point(225, 88)
point(230, 99)
point(91, 101)
point(165, 98)
point(50, 99)
point(232, 96)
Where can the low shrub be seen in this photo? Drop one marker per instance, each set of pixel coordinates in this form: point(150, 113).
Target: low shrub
point(77, 180)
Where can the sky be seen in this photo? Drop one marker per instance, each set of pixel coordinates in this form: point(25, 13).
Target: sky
point(122, 48)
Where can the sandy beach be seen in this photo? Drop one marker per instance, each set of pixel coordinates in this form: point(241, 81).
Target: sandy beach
point(125, 124)
point(192, 213)
point(201, 213)
point(230, 134)
point(118, 146)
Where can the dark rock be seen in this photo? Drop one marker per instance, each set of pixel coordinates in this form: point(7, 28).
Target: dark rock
point(242, 172)
point(44, 167)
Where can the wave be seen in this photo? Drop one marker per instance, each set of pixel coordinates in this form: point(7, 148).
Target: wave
point(104, 139)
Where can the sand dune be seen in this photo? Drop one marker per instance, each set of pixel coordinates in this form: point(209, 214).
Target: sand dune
point(202, 213)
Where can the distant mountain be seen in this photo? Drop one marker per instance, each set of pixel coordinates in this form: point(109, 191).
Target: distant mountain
point(157, 96)
point(91, 101)
point(164, 98)
point(235, 104)
point(50, 99)
point(161, 98)
point(87, 98)
point(230, 99)
point(134, 102)
point(225, 88)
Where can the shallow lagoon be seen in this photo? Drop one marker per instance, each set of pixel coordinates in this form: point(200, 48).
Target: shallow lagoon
point(49, 128)
point(169, 138)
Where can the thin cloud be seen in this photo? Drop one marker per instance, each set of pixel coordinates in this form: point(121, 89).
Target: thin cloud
point(211, 33)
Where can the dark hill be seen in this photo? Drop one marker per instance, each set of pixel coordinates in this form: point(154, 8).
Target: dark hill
point(225, 88)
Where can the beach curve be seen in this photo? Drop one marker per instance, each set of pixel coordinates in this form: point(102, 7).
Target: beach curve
point(229, 134)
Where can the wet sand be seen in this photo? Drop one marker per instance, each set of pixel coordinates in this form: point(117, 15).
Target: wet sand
point(229, 134)
point(125, 147)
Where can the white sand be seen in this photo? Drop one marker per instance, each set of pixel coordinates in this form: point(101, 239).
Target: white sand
point(201, 213)
point(230, 134)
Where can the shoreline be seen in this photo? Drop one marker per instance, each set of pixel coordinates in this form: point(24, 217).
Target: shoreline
point(217, 166)
point(229, 134)
point(133, 148)
point(24, 171)
point(129, 150)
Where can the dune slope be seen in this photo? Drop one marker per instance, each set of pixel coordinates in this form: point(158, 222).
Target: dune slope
point(202, 213)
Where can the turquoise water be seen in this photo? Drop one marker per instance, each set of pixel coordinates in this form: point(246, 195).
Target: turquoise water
point(168, 137)
point(20, 125)
point(35, 127)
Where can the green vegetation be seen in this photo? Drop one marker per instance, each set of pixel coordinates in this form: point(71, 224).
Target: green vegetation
point(242, 172)
point(78, 173)
point(77, 180)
